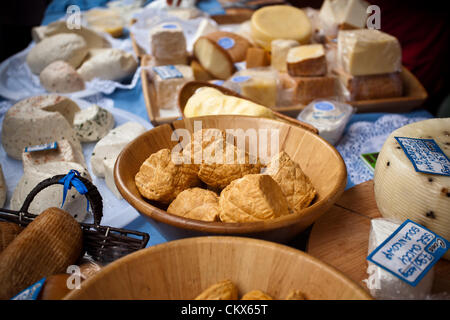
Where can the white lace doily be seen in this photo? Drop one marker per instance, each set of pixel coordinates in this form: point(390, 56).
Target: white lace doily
point(364, 137)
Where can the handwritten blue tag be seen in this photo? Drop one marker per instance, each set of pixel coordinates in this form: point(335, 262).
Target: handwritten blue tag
point(425, 155)
point(410, 252)
point(168, 72)
point(42, 147)
point(32, 292)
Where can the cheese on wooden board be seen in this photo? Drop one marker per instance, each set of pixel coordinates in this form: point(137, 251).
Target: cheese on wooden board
point(75, 204)
point(68, 47)
point(168, 41)
point(39, 120)
point(93, 123)
point(305, 89)
point(108, 64)
point(2, 188)
point(280, 22)
point(383, 284)
point(92, 38)
point(167, 89)
point(112, 144)
point(210, 101)
point(279, 50)
point(368, 51)
point(65, 151)
point(402, 193)
point(377, 86)
point(61, 77)
point(307, 60)
point(109, 177)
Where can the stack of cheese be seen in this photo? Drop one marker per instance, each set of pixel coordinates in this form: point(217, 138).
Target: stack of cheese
point(369, 64)
point(65, 58)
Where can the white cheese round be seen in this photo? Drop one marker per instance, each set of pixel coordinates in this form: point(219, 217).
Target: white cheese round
point(402, 193)
point(93, 123)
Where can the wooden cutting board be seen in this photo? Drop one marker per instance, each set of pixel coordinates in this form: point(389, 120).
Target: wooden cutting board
point(341, 236)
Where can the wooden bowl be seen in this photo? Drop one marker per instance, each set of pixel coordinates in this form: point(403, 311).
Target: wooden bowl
point(318, 159)
point(182, 269)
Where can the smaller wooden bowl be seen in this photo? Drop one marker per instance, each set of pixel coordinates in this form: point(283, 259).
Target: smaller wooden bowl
point(189, 89)
point(182, 269)
point(318, 159)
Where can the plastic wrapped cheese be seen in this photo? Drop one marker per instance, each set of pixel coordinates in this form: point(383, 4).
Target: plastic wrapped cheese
point(329, 117)
point(383, 284)
point(258, 84)
point(403, 193)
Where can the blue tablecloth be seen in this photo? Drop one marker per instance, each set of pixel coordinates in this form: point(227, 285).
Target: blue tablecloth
point(364, 133)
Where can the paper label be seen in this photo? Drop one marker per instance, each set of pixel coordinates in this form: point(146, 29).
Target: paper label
point(370, 160)
point(425, 155)
point(42, 147)
point(324, 106)
point(239, 79)
point(168, 72)
point(32, 292)
point(169, 26)
point(410, 252)
point(226, 43)
point(217, 82)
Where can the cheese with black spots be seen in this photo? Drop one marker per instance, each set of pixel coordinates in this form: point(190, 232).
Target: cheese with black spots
point(93, 123)
point(402, 193)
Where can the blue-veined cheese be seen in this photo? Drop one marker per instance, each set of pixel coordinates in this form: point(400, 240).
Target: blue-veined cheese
point(112, 144)
point(93, 123)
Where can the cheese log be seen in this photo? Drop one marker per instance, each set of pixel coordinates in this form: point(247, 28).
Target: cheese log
point(167, 89)
point(200, 74)
point(108, 64)
point(92, 38)
point(371, 87)
point(218, 51)
point(210, 101)
point(38, 120)
point(306, 89)
point(280, 22)
point(47, 246)
point(307, 60)
point(112, 144)
point(75, 204)
point(65, 151)
point(279, 50)
point(206, 26)
point(61, 77)
point(368, 52)
point(256, 58)
point(402, 193)
point(2, 188)
point(168, 41)
point(8, 232)
point(109, 177)
point(67, 47)
point(93, 123)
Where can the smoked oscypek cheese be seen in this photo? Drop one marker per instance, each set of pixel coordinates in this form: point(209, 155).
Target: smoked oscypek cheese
point(403, 193)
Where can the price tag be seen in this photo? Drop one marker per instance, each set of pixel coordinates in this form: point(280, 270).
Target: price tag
point(42, 147)
point(410, 252)
point(425, 155)
point(370, 160)
point(32, 292)
point(168, 72)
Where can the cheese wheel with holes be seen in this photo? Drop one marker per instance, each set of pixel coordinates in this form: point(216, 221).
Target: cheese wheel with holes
point(402, 193)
